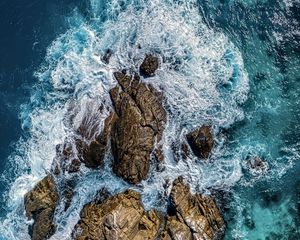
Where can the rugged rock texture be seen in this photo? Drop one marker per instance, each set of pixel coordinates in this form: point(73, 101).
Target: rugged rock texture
point(40, 204)
point(118, 217)
point(139, 124)
point(122, 216)
point(201, 141)
point(149, 66)
point(191, 216)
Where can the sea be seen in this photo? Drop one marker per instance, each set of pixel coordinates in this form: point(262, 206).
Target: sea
point(231, 64)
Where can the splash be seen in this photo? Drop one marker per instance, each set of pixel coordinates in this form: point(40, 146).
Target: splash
point(201, 75)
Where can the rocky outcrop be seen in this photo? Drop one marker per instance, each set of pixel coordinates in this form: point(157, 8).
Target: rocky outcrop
point(118, 217)
point(192, 216)
point(201, 141)
point(40, 204)
point(123, 217)
point(139, 124)
point(149, 66)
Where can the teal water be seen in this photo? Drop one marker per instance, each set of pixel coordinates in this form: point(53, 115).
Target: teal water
point(230, 63)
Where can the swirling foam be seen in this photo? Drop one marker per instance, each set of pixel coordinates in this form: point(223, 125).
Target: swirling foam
point(201, 75)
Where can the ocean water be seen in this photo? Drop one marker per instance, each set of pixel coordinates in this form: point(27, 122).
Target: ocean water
point(230, 63)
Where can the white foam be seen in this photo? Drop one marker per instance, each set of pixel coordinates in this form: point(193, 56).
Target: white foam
point(207, 87)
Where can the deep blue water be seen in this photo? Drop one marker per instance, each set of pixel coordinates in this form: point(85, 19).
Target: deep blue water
point(27, 28)
point(240, 65)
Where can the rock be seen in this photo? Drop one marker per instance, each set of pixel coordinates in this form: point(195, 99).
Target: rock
point(257, 166)
point(107, 56)
point(149, 66)
point(139, 124)
point(192, 216)
point(180, 150)
point(93, 154)
point(40, 204)
point(67, 190)
point(201, 141)
point(119, 217)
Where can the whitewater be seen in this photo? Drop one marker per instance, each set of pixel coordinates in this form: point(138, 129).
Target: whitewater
point(201, 75)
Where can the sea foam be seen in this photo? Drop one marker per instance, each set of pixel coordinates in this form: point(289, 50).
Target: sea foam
point(201, 76)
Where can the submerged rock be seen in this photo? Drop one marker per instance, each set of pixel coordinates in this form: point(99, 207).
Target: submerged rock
point(40, 204)
point(107, 56)
point(149, 66)
point(92, 154)
point(192, 216)
point(257, 166)
point(139, 124)
point(201, 141)
point(119, 217)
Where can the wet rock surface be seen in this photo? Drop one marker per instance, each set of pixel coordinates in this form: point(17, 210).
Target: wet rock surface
point(201, 141)
point(149, 66)
point(40, 204)
point(139, 124)
point(193, 216)
point(119, 217)
point(123, 217)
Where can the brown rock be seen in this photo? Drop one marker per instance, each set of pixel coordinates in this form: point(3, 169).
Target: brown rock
point(201, 141)
point(193, 216)
point(40, 204)
point(149, 66)
point(139, 124)
point(118, 217)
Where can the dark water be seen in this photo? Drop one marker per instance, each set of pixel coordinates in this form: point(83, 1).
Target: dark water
point(258, 116)
point(27, 28)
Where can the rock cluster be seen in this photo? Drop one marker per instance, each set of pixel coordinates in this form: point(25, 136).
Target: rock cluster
point(40, 204)
point(134, 131)
point(123, 217)
point(119, 217)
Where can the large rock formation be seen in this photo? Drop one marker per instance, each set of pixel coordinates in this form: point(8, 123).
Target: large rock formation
point(201, 141)
point(191, 216)
point(123, 217)
point(139, 124)
point(118, 217)
point(40, 204)
point(149, 66)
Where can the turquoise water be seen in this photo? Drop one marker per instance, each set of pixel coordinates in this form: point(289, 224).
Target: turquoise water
point(233, 64)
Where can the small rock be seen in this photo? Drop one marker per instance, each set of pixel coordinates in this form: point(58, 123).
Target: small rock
point(257, 166)
point(201, 141)
point(107, 56)
point(149, 66)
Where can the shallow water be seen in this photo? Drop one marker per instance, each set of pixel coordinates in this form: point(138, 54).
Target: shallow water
point(232, 64)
